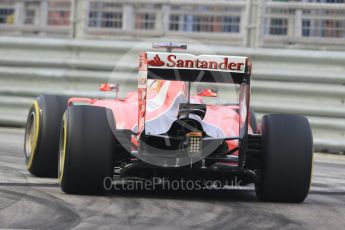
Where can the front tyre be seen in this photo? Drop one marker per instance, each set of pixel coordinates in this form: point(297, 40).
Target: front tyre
point(41, 145)
point(87, 145)
point(286, 168)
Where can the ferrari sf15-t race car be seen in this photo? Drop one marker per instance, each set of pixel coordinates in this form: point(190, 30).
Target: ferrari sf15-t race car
point(190, 118)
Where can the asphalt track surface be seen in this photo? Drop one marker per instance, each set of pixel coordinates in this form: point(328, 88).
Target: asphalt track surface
point(38, 203)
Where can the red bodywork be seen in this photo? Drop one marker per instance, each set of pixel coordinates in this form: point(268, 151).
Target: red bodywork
point(126, 112)
point(134, 112)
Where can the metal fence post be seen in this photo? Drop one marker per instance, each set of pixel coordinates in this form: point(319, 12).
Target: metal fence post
point(79, 17)
point(245, 27)
point(43, 22)
point(19, 15)
point(260, 23)
point(127, 17)
point(298, 24)
point(159, 22)
point(73, 19)
point(165, 18)
point(249, 26)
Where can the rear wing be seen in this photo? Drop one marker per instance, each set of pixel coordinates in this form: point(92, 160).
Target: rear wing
point(191, 68)
point(202, 68)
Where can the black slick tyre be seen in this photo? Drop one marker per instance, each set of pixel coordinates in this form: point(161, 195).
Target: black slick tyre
point(87, 145)
point(41, 145)
point(286, 161)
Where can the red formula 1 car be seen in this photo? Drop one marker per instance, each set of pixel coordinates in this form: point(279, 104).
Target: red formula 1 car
point(190, 118)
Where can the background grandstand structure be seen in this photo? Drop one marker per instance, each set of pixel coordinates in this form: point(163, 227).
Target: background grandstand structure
point(258, 23)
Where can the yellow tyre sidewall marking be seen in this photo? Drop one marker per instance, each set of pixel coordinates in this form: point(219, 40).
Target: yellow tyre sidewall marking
point(62, 162)
point(35, 138)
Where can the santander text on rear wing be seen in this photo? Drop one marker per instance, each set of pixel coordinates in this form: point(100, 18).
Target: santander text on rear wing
point(202, 68)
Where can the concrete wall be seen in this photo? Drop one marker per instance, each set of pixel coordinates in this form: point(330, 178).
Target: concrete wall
point(311, 83)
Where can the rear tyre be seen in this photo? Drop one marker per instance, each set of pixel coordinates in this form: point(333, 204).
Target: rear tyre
point(286, 163)
point(41, 145)
point(87, 145)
